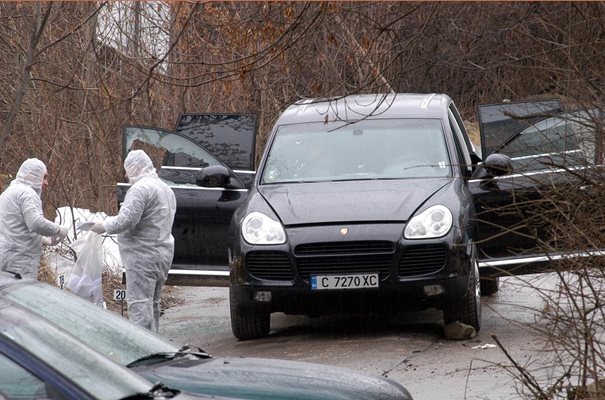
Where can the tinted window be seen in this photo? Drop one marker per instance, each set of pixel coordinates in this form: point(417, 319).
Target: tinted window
point(500, 122)
point(175, 153)
point(567, 140)
point(230, 137)
point(367, 149)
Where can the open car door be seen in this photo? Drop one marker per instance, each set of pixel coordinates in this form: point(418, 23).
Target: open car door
point(551, 154)
point(207, 193)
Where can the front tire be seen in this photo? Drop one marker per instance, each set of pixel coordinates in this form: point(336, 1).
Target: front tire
point(490, 285)
point(248, 322)
point(468, 308)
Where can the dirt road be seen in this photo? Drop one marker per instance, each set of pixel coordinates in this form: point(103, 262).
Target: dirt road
point(409, 348)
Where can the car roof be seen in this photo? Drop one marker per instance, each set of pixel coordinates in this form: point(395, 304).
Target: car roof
point(355, 107)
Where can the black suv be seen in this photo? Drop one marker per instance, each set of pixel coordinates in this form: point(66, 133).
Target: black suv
point(371, 201)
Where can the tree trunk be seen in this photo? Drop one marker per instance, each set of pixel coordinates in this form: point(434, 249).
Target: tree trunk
point(30, 58)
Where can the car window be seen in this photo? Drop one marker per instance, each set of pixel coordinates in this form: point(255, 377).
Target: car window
point(461, 145)
point(453, 112)
point(108, 333)
point(366, 149)
point(18, 383)
point(567, 140)
point(231, 137)
point(176, 158)
point(500, 122)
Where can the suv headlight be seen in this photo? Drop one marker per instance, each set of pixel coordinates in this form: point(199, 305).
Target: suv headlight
point(431, 223)
point(257, 228)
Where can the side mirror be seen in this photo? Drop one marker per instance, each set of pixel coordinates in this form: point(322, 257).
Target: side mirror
point(495, 164)
point(498, 164)
point(214, 176)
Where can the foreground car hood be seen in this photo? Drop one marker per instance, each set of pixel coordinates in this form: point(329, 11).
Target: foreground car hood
point(267, 379)
point(321, 202)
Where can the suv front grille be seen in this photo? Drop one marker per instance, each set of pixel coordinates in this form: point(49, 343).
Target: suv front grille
point(422, 260)
point(345, 258)
point(269, 265)
point(360, 247)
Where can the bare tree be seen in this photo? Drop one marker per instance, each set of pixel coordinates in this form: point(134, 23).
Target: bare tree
point(39, 19)
point(74, 73)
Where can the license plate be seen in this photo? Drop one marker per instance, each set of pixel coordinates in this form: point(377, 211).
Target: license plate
point(352, 281)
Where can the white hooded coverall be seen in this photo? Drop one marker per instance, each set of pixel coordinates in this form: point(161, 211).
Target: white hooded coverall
point(22, 222)
point(145, 241)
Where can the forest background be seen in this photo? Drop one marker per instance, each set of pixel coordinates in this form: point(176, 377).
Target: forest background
point(73, 73)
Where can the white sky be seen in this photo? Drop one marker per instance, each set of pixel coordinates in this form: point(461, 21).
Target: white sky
point(116, 27)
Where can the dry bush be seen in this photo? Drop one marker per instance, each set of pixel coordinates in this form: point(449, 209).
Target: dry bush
point(46, 273)
point(571, 218)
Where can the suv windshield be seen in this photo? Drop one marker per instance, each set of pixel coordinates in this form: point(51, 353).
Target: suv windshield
point(366, 149)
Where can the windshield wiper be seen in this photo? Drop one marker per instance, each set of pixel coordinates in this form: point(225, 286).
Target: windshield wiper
point(165, 356)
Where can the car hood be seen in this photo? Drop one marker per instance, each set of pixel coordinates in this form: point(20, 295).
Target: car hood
point(267, 379)
point(363, 201)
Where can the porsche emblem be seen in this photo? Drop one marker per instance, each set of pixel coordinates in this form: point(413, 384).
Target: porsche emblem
point(344, 231)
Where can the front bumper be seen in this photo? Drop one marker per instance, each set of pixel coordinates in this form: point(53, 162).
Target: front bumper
point(413, 274)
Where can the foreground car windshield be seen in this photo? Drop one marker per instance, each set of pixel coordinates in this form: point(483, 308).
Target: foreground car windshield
point(366, 149)
point(107, 333)
point(93, 373)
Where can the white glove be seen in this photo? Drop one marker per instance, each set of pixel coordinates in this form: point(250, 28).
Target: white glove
point(98, 227)
point(61, 235)
point(51, 241)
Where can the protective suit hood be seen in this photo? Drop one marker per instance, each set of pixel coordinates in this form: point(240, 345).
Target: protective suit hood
point(138, 165)
point(32, 173)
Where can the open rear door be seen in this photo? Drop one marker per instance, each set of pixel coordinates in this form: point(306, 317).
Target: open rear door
point(552, 156)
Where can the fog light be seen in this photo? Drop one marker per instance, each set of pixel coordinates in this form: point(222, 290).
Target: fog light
point(433, 290)
point(262, 296)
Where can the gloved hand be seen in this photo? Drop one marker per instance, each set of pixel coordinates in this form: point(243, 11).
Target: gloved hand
point(51, 241)
point(98, 227)
point(62, 233)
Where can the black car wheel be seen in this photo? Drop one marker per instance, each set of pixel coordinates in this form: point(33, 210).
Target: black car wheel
point(467, 309)
point(248, 322)
point(489, 285)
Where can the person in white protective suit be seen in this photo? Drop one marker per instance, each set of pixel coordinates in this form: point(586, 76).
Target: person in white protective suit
point(23, 228)
point(145, 241)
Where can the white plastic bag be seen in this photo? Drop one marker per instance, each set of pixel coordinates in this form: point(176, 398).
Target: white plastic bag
point(85, 279)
